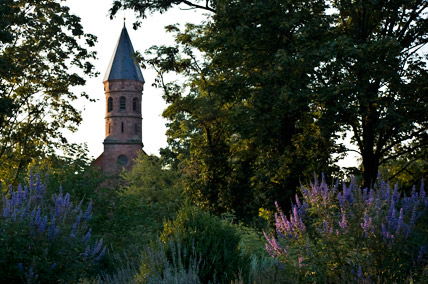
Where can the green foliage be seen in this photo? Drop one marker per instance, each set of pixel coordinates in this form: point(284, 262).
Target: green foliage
point(353, 235)
point(406, 171)
point(72, 172)
point(144, 7)
point(137, 210)
point(154, 267)
point(43, 54)
point(261, 267)
point(242, 124)
point(45, 238)
point(268, 94)
point(207, 238)
point(177, 265)
point(75, 175)
point(372, 82)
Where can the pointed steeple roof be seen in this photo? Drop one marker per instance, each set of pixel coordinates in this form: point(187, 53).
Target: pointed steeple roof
point(122, 64)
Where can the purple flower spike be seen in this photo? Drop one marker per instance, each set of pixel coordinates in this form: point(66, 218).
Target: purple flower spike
point(360, 272)
point(367, 225)
point(88, 214)
point(98, 258)
point(87, 236)
point(97, 247)
point(272, 246)
point(40, 220)
point(355, 220)
point(343, 222)
point(86, 252)
point(421, 254)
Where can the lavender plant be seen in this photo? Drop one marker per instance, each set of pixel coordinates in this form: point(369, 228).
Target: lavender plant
point(45, 239)
point(353, 235)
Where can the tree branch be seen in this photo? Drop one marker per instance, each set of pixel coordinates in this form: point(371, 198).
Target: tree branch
point(403, 168)
point(401, 153)
point(196, 6)
point(396, 142)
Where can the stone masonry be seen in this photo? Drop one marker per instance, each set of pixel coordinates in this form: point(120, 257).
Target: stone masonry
point(123, 87)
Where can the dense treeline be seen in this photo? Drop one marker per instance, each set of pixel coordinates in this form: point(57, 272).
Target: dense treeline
point(271, 86)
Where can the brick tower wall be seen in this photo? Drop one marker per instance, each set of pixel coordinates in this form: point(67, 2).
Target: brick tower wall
point(123, 124)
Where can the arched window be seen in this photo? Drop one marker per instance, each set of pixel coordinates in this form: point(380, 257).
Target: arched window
point(110, 104)
point(134, 104)
point(109, 128)
point(136, 128)
point(122, 103)
point(122, 127)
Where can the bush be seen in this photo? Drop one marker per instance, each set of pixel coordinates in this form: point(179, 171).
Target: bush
point(178, 265)
point(208, 238)
point(353, 235)
point(151, 196)
point(45, 239)
point(154, 267)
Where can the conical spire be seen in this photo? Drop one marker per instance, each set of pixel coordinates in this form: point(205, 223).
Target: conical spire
point(122, 65)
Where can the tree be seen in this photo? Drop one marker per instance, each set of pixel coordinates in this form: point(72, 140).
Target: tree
point(72, 172)
point(375, 82)
point(43, 55)
point(271, 85)
point(242, 126)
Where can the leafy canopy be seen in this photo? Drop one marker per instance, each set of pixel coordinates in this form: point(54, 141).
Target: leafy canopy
point(270, 86)
point(373, 82)
point(43, 54)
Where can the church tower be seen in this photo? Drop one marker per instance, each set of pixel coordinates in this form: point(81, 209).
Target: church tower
point(123, 87)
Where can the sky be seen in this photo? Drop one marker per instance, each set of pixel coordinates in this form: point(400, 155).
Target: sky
point(95, 20)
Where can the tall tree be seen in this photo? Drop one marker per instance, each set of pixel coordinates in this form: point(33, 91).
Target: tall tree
point(43, 54)
point(375, 83)
point(242, 125)
point(279, 81)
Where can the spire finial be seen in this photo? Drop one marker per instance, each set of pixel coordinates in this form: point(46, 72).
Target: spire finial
point(124, 12)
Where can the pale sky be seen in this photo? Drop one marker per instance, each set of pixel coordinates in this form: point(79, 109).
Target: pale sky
point(95, 20)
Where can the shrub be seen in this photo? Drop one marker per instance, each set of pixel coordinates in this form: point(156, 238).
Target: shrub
point(154, 267)
point(178, 265)
point(45, 239)
point(353, 235)
point(212, 240)
point(151, 195)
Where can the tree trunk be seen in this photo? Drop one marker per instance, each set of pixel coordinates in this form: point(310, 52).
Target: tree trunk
point(369, 153)
point(370, 169)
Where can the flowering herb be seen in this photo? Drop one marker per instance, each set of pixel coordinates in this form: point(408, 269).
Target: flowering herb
point(352, 233)
point(54, 233)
